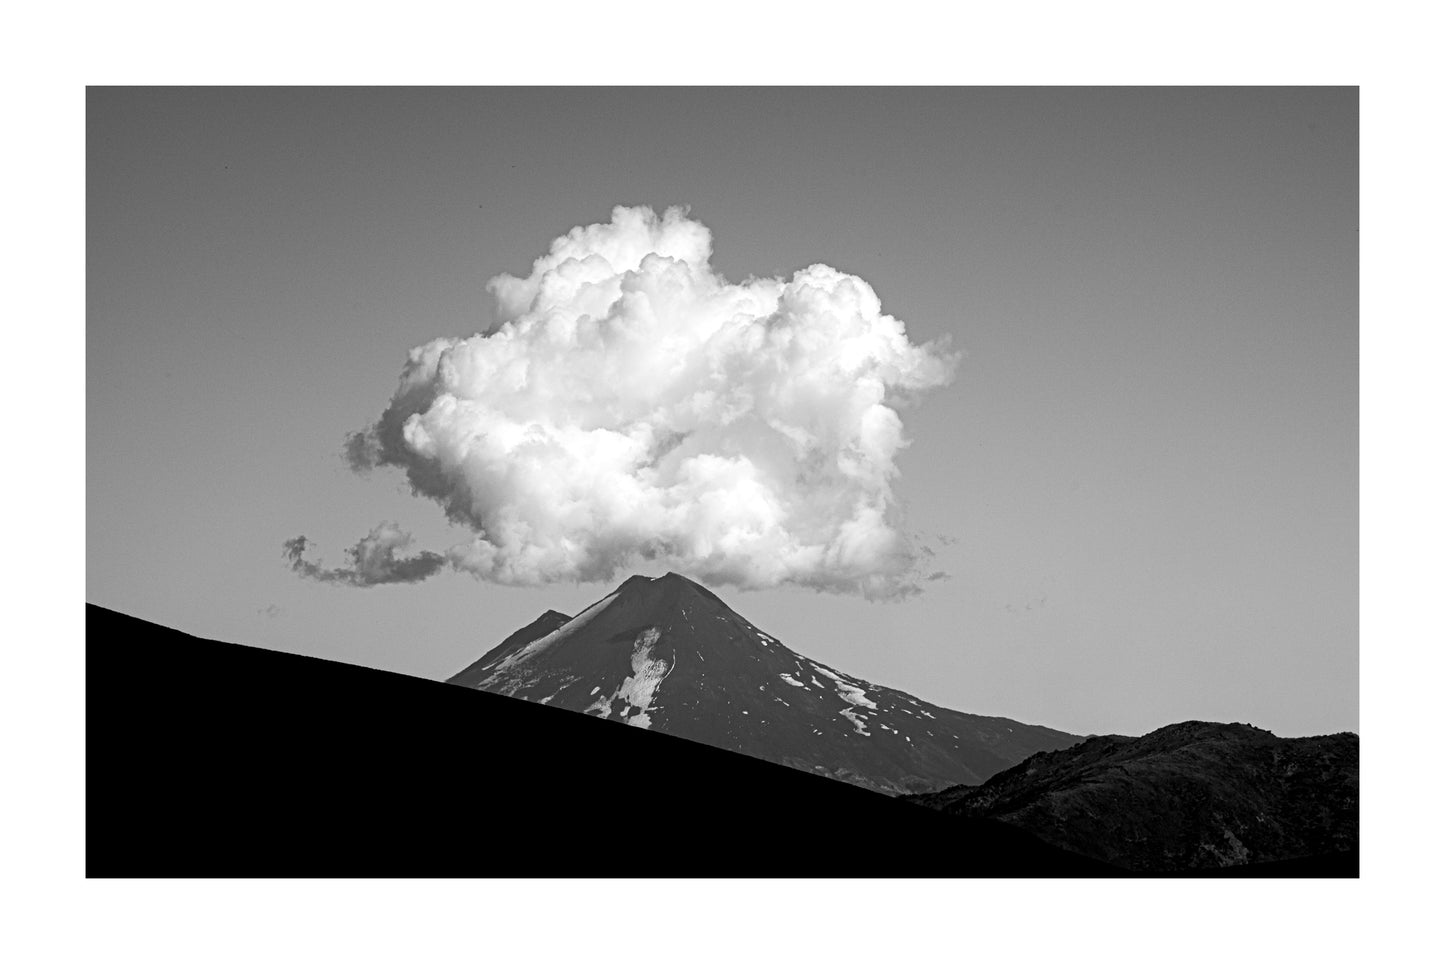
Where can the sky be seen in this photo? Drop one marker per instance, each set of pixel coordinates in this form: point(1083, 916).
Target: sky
point(1142, 479)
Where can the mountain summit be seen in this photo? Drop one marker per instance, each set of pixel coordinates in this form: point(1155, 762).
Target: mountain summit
point(664, 653)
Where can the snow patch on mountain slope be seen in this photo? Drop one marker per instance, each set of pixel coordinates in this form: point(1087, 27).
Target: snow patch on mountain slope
point(637, 691)
point(790, 681)
point(566, 682)
point(849, 692)
point(856, 720)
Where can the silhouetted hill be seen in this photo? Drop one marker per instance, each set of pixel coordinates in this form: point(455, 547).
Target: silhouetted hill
point(667, 654)
point(1195, 797)
point(212, 759)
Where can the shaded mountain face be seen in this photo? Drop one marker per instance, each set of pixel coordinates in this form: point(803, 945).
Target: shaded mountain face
point(1191, 796)
point(666, 654)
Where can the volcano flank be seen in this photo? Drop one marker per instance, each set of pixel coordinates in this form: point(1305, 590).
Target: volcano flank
point(666, 654)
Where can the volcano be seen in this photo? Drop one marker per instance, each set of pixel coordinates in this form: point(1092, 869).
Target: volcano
point(664, 653)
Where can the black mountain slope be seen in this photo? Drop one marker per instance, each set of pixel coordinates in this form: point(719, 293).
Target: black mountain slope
point(209, 759)
point(1191, 797)
point(668, 655)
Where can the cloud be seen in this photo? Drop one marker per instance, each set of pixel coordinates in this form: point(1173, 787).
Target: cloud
point(374, 560)
point(360, 452)
point(633, 406)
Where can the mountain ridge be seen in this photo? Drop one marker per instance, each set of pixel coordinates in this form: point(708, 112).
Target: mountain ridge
point(1194, 796)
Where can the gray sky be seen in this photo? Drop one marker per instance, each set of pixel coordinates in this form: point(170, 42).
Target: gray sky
point(1148, 457)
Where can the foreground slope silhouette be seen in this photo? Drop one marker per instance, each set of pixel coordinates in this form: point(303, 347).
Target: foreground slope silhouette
point(213, 759)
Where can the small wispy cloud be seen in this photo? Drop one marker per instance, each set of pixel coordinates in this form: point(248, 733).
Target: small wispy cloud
point(374, 560)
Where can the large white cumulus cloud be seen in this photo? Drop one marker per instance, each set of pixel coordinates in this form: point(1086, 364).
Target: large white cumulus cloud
point(632, 405)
